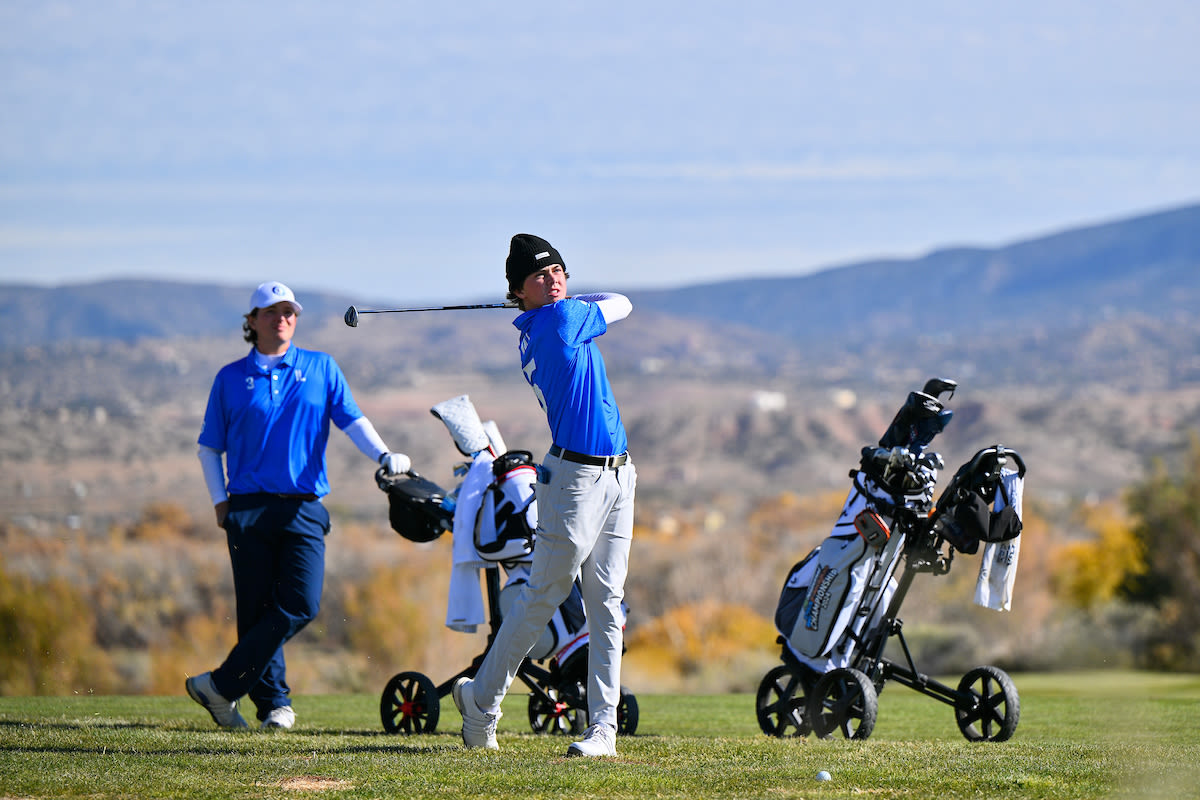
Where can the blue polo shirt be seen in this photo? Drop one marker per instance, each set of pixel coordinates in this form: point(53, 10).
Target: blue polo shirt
point(273, 425)
point(564, 366)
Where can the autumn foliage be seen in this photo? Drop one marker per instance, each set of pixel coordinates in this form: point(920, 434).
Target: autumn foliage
point(138, 608)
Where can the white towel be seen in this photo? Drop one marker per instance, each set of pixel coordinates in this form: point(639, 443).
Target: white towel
point(465, 609)
point(998, 563)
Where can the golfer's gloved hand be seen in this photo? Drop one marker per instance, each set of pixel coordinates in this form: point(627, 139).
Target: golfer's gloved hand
point(395, 463)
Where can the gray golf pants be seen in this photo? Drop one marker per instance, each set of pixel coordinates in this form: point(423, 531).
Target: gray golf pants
point(585, 527)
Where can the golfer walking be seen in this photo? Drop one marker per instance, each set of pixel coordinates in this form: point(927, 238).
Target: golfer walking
point(268, 414)
point(584, 494)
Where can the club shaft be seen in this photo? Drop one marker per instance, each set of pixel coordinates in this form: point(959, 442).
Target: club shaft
point(352, 312)
point(429, 308)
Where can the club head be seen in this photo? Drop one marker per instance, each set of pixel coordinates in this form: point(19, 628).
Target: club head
point(936, 387)
point(352, 317)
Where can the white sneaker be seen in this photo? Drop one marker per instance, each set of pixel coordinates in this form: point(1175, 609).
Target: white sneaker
point(224, 712)
point(598, 740)
point(279, 718)
point(479, 727)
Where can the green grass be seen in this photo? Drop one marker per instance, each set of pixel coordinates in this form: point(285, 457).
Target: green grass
point(1093, 735)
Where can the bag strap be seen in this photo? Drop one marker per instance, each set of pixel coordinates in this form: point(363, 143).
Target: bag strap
point(1003, 492)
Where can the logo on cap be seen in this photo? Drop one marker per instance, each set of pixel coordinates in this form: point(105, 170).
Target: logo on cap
point(540, 256)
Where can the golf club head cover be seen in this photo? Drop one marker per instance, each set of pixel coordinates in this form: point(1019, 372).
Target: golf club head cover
point(460, 418)
point(493, 434)
point(921, 418)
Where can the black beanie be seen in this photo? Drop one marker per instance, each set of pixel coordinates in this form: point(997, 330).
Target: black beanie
point(526, 255)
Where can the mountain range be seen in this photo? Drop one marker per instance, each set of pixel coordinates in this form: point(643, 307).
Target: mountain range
point(1059, 304)
point(1147, 265)
point(1081, 348)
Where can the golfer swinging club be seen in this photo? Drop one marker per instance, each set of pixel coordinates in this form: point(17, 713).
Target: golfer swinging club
point(584, 495)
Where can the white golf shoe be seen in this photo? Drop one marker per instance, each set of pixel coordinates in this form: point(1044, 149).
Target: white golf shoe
point(224, 712)
point(279, 718)
point(598, 740)
point(479, 727)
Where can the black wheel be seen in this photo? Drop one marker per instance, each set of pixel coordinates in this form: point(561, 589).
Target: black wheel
point(409, 704)
point(988, 708)
point(845, 700)
point(627, 713)
point(780, 703)
point(555, 715)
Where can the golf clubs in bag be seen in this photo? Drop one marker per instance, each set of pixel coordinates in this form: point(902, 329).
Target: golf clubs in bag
point(839, 605)
point(492, 515)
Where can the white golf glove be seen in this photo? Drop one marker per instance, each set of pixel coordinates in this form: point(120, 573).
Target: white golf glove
point(395, 463)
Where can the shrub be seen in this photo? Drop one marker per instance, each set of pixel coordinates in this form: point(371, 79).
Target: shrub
point(1166, 510)
point(708, 644)
point(1091, 572)
point(46, 640)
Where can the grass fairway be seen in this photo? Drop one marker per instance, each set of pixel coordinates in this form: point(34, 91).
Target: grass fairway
point(1093, 735)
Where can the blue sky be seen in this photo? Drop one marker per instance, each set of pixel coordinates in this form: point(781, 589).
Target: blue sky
point(389, 150)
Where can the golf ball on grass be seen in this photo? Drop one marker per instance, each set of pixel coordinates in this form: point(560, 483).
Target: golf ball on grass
point(824, 776)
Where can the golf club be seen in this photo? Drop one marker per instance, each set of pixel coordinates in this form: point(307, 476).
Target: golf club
point(352, 312)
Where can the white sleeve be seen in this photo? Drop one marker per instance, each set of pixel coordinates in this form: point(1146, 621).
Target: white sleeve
point(366, 438)
point(214, 473)
point(613, 306)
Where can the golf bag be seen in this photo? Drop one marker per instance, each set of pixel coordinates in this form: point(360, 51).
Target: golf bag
point(843, 586)
point(839, 605)
point(565, 637)
point(506, 523)
point(821, 607)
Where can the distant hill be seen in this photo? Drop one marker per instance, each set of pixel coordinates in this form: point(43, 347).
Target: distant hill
point(1146, 266)
point(1149, 265)
point(128, 310)
point(1113, 304)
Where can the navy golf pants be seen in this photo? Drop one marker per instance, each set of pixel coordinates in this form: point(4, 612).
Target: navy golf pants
point(277, 549)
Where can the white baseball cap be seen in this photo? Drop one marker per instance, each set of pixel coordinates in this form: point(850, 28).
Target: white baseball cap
point(272, 292)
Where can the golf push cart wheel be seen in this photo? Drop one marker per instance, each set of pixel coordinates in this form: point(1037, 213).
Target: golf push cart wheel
point(409, 704)
point(556, 716)
point(560, 717)
point(627, 713)
point(845, 700)
point(780, 703)
point(988, 708)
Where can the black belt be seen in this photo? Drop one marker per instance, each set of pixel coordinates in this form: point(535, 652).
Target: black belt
point(608, 462)
point(308, 498)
